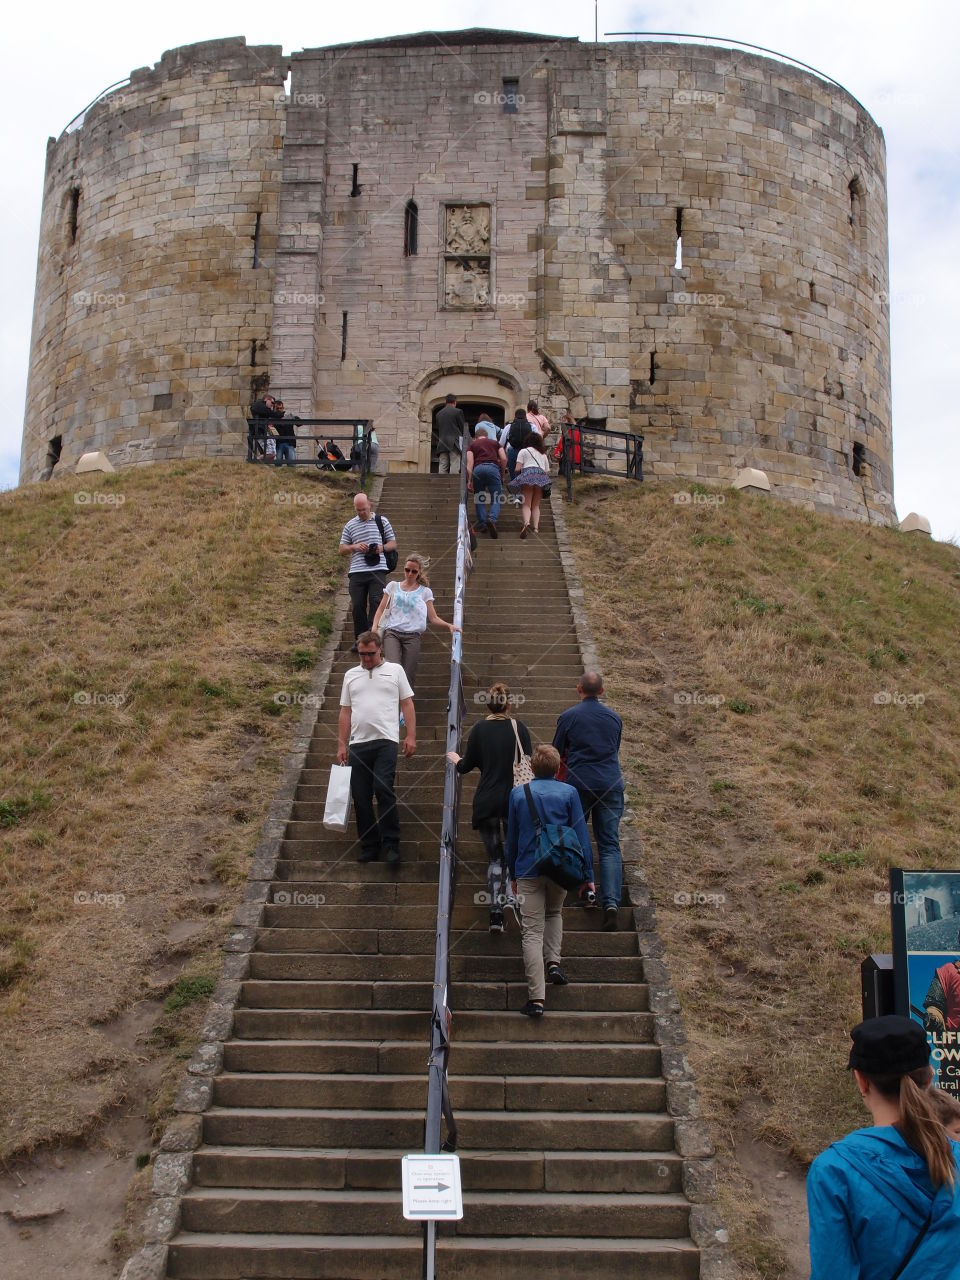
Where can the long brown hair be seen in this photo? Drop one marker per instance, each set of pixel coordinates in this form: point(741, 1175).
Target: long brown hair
point(919, 1124)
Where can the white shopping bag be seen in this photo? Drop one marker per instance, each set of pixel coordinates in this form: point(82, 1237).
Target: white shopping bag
point(336, 812)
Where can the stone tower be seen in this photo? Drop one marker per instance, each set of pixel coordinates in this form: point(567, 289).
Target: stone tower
point(680, 240)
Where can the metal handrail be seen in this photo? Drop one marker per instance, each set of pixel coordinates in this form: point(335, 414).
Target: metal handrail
point(360, 430)
point(578, 437)
point(438, 1098)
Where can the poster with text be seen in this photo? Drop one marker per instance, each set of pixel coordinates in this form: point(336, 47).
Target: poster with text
point(925, 919)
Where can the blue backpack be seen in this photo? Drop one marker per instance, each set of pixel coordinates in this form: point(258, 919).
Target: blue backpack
point(559, 856)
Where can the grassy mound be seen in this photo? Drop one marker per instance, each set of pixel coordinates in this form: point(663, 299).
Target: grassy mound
point(158, 626)
point(791, 710)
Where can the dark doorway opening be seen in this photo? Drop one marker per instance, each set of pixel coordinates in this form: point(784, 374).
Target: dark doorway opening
point(54, 449)
point(471, 411)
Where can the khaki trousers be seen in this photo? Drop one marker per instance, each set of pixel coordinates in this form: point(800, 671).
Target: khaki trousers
point(541, 929)
point(448, 462)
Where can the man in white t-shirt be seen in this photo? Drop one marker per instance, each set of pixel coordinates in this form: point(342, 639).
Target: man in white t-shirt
point(368, 738)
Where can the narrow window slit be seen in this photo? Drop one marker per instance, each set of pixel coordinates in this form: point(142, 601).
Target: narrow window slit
point(256, 244)
point(355, 189)
point(343, 338)
point(411, 227)
point(679, 260)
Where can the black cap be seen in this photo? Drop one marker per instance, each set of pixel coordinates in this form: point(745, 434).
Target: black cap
point(888, 1046)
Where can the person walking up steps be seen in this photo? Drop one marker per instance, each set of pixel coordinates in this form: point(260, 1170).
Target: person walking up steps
point(531, 478)
point(491, 748)
point(541, 900)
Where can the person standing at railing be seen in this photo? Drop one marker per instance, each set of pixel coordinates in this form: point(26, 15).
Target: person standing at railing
point(367, 574)
point(492, 748)
point(284, 426)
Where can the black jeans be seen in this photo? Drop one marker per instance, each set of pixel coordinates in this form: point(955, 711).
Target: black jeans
point(373, 766)
point(491, 833)
point(366, 592)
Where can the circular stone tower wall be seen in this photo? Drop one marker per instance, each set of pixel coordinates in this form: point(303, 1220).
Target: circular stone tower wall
point(766, 343)
point(154, 300)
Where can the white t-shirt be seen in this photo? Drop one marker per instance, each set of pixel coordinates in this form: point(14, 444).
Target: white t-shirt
point(532, 458)
point(374, 699)
point(408, 609)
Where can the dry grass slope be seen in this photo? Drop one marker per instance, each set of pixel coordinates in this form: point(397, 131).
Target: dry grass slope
point(146, 631)
point(767, 662)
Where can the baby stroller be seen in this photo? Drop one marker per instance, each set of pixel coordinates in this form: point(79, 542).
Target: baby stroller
point(330, 457)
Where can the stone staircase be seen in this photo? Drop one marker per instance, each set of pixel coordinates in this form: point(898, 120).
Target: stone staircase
point(567, 1152)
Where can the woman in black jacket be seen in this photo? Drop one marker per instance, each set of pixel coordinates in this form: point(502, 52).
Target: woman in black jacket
point(492, 748)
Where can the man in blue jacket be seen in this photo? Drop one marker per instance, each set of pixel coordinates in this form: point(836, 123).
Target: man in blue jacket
point(540, 900)
point(588, 737)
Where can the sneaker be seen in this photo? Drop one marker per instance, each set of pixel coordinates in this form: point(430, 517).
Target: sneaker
point(369, 855)
point(393, 857)
point(556, 976)
point(532, 1009)
point(496, 922)
point(492, 530)
point(611, 917)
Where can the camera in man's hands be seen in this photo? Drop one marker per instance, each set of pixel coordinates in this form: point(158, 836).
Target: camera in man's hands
point(372, 554)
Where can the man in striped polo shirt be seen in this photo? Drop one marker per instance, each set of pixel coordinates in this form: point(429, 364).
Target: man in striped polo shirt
point(367, 575)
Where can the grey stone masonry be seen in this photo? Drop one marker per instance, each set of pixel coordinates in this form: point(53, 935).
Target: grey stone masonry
point(688, 242)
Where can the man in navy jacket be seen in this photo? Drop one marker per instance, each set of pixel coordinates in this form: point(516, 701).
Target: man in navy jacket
point(588, 738)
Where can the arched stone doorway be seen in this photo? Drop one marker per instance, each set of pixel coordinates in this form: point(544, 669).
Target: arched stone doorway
point(477, 388)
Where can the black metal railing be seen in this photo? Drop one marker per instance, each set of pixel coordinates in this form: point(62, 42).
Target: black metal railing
point(353, 445)
point(438, 1097)
point(592, 451)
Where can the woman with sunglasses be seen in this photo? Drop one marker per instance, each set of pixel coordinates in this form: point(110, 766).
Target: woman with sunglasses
point(405, 610)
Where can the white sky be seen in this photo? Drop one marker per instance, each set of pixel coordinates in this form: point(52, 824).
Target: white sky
point(899, 61)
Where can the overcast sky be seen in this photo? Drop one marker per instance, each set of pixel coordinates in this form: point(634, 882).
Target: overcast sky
point(899, 61)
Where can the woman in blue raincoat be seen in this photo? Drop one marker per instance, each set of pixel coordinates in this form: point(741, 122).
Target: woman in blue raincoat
point(884, 1203)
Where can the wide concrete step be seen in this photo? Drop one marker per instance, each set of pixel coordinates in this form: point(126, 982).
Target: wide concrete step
point(228, 1256)
point(612, 1172)
point(380, 1024)
point(327, 968)
point(286, 1089)
point(412, 917)
point(467, 1057)
point(475, 941)
point(486, 1213)
point(339, 994)
point(403, 1129)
